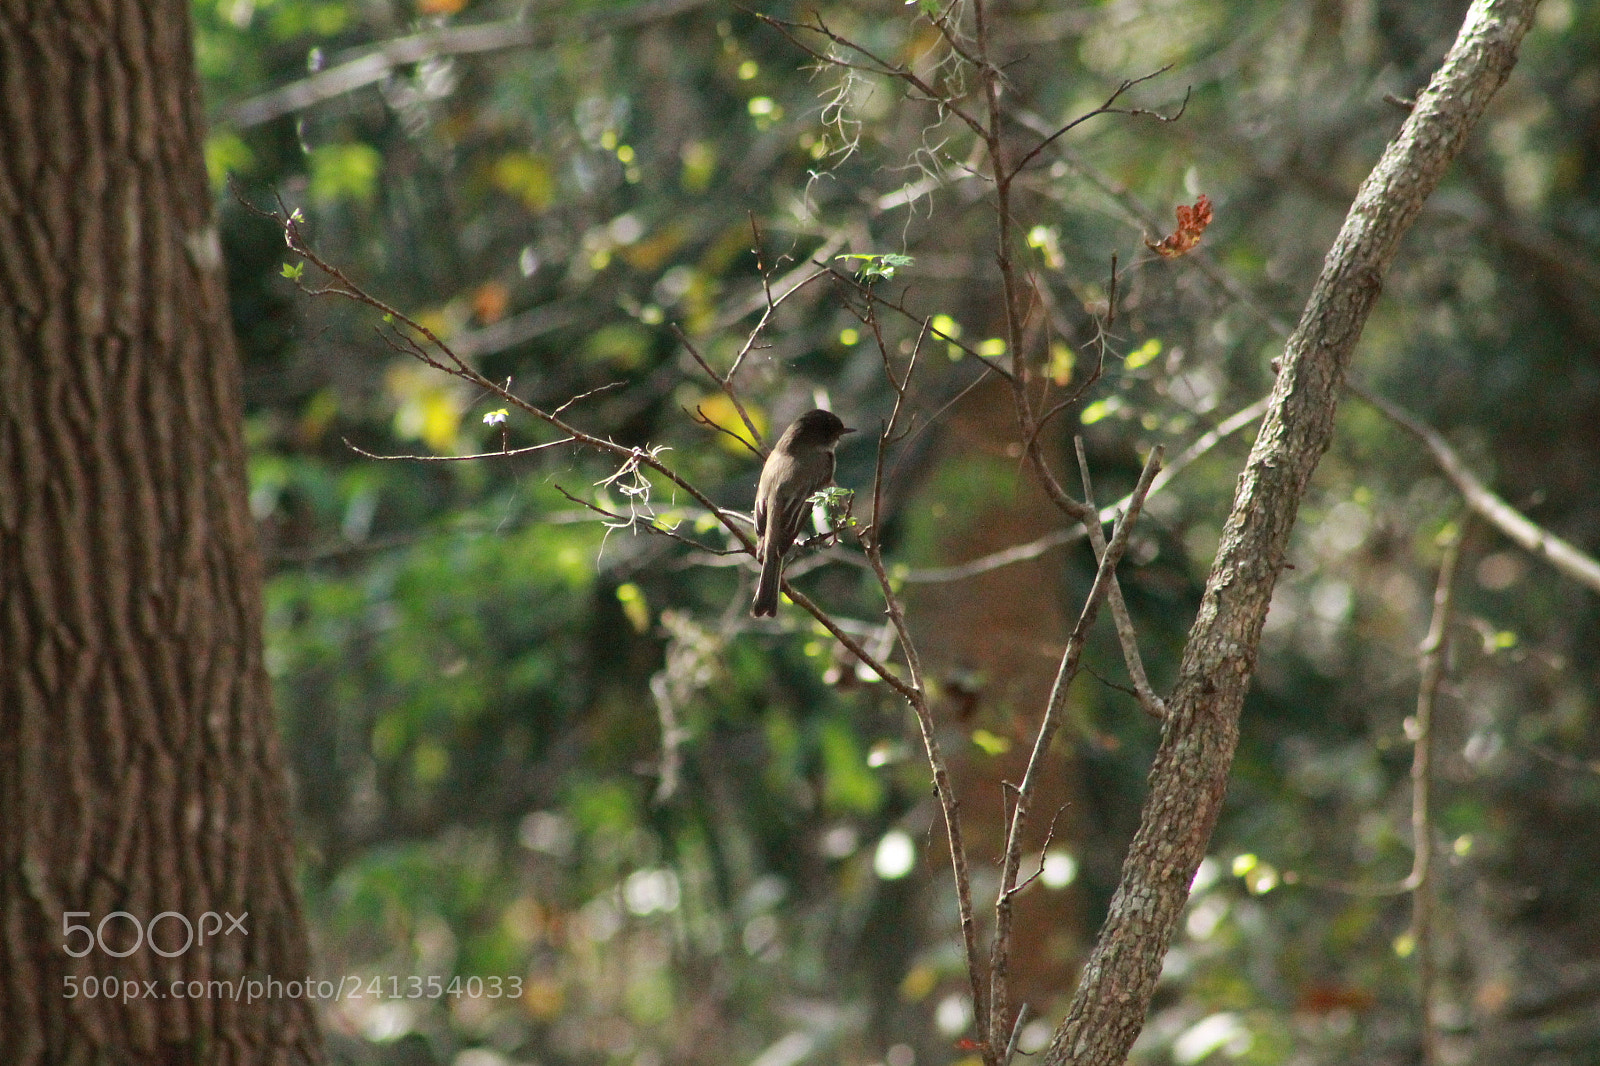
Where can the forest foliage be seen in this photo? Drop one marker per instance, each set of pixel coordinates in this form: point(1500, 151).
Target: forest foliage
point(554, 754)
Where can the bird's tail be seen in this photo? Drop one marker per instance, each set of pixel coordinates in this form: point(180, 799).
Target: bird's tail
point(766, 601)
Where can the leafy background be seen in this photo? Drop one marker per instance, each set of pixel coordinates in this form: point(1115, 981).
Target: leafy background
point(470, 670)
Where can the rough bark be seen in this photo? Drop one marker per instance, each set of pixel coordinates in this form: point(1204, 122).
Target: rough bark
point(139, 766)
point(1189, 777)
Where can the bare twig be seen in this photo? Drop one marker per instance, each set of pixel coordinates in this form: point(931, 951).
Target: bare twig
point(725, 381)
point(786, 285)
point(1563, 760)
point(1105, 576)
point(1012, 295)
point(458, 458)
point(632, 521)
point(1434, 653)
point(1016, 1034)
point(949, 805)
point(450, 362)
point(701, 418)
point(1524, 532)
point(607, 387)
point(875, 64)
point(871, 295)
point(373, 64)
point(1067, 535)
point(1119, 608)
point(1106, 108)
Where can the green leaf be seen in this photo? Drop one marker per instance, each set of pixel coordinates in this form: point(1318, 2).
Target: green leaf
point(634, 606)
point(878, 264)
point(1143, 354)
point(990, 743)
point(344, 172)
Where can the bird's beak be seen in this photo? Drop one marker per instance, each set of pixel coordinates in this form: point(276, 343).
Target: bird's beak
point(847, 429)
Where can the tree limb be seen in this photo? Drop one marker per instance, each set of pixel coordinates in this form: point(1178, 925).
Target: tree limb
point(373, 64)
point(1189, 777)
point(1528, 535)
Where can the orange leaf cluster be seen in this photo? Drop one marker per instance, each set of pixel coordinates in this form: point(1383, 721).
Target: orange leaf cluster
point(1192, 222)
point(490, 300)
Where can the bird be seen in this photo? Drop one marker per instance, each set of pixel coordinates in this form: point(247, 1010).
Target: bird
point(801, 464)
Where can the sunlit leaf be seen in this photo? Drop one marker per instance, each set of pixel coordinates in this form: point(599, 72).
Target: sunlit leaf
point(344, 172)
point(631, 596)
point(1143, 354)
point(990, 743)
point(1062, 361)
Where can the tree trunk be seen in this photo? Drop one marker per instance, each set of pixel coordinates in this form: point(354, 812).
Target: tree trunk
point(146, 864)
point(1190, 775)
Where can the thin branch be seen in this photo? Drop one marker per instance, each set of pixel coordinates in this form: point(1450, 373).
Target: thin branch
point(1049, 838)
point(607, 387)
point(1068, 535)
point(1563, 760)
point(1189, 775)
point(1107, 109)
point(1104, 578)
point(916, 695)
point(725, 381)
point(1016, 1034)
point(1524, 532)
point(1011, 299)
point(887, 436)
point(855, 647)
point(787, 285)
point(370, 65)
point(868, 293)
point(952, 34)
point(1019, 553)
point(457, 458)
point(1434, 653)
point(701, 418)
point(342, 286)
point(1099, 344)
point(876, 65)
point(623, 521)
point(949, 805)
point(1119, 608)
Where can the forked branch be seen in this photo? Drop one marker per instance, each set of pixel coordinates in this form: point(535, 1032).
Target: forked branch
point(1189, 777)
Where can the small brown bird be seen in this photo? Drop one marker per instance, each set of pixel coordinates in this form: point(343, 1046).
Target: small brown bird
point(801, 464)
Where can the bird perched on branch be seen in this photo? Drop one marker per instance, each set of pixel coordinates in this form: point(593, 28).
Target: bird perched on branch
point(801, 464)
